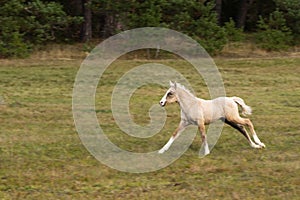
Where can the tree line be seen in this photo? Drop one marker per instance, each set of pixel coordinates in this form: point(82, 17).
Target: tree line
point(26, 24)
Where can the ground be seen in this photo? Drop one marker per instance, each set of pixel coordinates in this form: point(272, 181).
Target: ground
point(42, 156)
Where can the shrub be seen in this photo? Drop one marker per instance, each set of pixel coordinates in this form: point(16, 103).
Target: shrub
point(27, 23)
point(14, 46)
point(198, 21)
point(273, 34)
point(192, 17)
point(232, 33)
point(291, 8)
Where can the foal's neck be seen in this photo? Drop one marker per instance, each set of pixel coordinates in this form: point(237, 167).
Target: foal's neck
point(186, 99)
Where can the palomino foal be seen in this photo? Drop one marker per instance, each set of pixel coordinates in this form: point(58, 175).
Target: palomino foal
point(200, 112)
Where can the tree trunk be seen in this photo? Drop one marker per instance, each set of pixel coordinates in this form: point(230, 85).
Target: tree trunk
point(219, 10)
point(86, 33)
point(242, 13)
point(109, 24)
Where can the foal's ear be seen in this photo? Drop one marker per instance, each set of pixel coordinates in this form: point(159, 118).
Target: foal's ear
point(173, 84)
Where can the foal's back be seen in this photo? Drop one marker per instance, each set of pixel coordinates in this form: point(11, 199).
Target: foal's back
point(218, 108)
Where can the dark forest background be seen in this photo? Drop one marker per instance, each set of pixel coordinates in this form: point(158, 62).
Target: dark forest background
point(273, 25)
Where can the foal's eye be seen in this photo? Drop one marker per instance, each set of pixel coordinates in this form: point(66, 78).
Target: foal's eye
point(169, 94)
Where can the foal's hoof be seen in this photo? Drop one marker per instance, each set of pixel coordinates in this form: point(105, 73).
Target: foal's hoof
point(161, 151)
point(262, 145)
point(256, 146)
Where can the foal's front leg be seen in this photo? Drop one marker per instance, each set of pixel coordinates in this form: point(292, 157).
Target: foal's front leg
point(201, 128)
point(175, 135)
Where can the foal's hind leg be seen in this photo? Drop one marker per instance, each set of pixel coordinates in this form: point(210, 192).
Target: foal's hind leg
point(247, 122)
point(240, 128)
point(254, 135)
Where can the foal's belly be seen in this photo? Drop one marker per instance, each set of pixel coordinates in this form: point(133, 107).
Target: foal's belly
point(210, 117)
point(207, 122)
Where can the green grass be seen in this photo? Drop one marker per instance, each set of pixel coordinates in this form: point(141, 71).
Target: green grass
point(42, 157)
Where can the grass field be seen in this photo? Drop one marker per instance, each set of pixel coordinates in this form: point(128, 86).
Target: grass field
point(42, 157)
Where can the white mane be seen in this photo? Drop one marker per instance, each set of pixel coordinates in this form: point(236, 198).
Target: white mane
point(178, 85)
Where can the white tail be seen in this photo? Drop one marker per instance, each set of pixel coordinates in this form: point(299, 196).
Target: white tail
point(246, 109)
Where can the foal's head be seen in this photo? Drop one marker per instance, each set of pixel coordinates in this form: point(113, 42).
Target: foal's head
point(170, 95)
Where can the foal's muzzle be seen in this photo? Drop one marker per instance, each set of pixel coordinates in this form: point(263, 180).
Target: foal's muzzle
point(162, 103)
